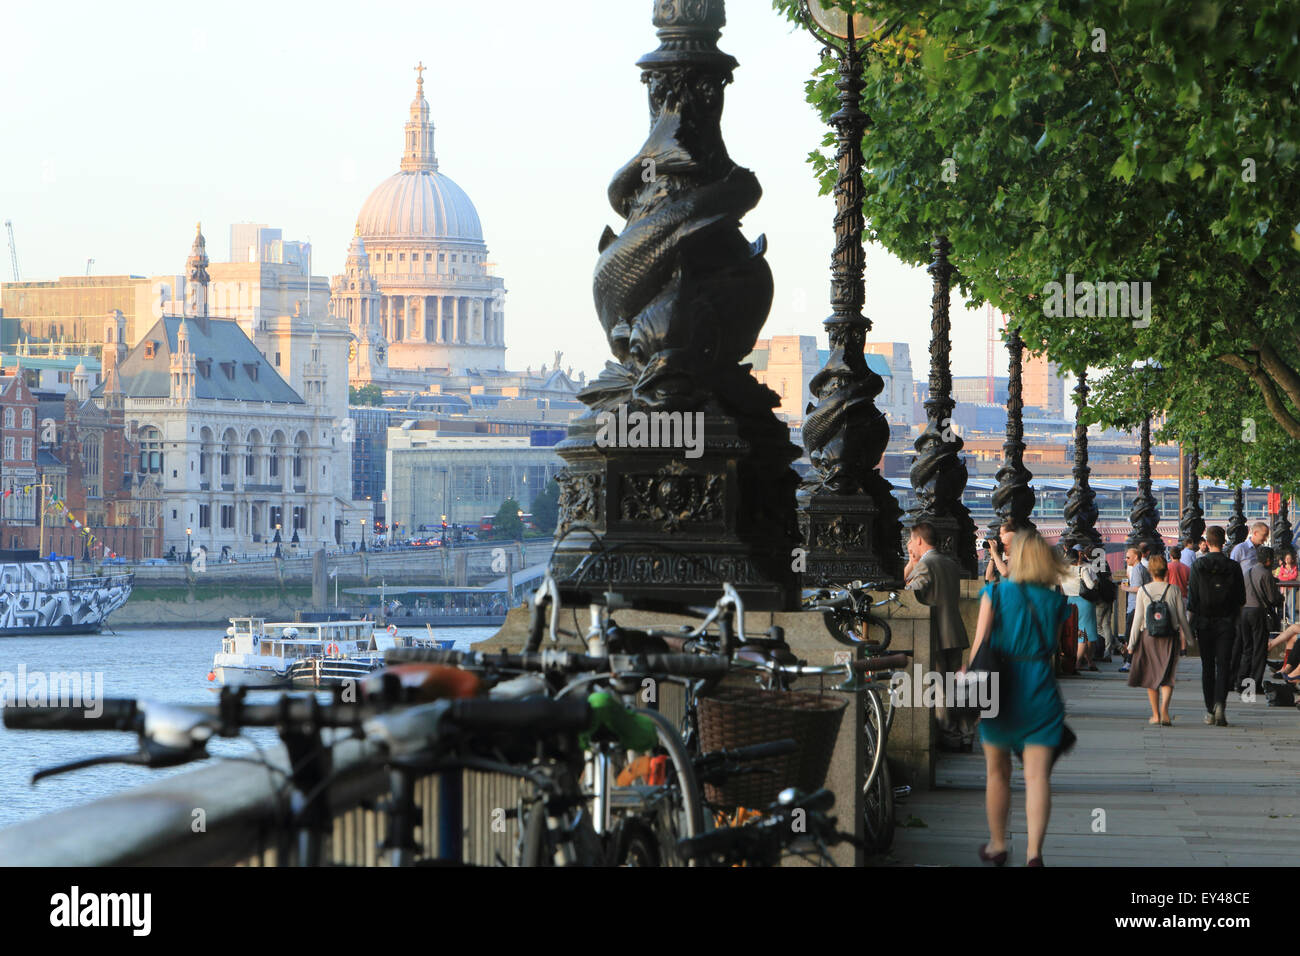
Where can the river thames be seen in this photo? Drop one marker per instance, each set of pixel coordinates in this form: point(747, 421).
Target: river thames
point(169, 664)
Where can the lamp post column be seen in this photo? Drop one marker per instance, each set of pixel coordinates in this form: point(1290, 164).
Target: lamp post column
point(848, 516)
point(1013, 497)
point(939, 475)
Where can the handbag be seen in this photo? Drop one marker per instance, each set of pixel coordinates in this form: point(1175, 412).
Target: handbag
point(986, 666)
point(1272, 619)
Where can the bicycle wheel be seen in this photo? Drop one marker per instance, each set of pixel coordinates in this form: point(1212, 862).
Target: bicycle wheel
point(536, 849)
point(877, 787)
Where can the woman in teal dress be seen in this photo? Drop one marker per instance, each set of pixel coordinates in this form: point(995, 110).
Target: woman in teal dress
point(1023, 616)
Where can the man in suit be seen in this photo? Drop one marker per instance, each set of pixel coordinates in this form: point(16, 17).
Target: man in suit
point(936, 579)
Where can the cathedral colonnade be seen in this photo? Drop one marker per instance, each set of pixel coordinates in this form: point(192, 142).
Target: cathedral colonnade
point(437, 319)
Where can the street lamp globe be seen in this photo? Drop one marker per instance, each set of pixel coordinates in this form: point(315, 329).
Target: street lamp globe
point(836, 21)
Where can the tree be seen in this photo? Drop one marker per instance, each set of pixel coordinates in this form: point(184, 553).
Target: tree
point(365, 395)
point(546, 507)
point(1115, 141)
point(507, 524)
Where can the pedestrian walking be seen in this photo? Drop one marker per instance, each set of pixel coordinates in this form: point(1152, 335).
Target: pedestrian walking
point(1107, 592)
point(1023, 617)
point(1080, 589)
point(1217, 592)
point(1178, 574)
point(936, 579)
point(1158, 637)
point(1138, 575)
point(1263, 601)
point(1247, 553)
point(1189, 553)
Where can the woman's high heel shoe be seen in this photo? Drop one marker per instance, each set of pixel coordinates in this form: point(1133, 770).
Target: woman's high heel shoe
point(997, 859)
point(1036, 861)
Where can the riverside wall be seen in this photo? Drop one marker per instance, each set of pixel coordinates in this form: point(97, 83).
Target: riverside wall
point(180, 595)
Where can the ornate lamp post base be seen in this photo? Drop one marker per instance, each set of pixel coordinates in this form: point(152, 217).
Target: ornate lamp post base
point(653, 524)
point(839, 535)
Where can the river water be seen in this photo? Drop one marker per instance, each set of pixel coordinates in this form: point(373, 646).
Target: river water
point(169, 664)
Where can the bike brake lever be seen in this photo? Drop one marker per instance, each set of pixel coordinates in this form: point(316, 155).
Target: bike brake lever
point(150, 754)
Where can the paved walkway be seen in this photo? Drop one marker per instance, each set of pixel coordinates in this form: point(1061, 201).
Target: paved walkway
point(1186, 795)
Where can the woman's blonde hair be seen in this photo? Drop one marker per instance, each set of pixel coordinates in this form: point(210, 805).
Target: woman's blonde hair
point(1034, 561)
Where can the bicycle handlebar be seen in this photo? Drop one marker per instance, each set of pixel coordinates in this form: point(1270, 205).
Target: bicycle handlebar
point(115, 714)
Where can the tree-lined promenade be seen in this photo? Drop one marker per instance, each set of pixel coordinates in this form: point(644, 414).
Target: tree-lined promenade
point(1121, 181)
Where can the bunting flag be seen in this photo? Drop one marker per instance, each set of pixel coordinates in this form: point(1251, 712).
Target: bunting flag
point(8, 492)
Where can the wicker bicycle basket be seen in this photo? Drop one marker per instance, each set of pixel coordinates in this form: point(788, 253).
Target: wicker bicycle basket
point(741, 716)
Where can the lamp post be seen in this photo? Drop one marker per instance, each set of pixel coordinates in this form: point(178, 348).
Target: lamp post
point(1013, 498)
point(188, 558)
point(848, 516)
point(1081, 503)
point(1192, 520)
point(364, 522)
point(1237, 519)
point(277, 539)
point(1145, 516)
point(938, 474)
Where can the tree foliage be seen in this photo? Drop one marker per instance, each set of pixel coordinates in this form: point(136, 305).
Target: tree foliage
point(365, 395)
point(1118, 141)
point(546, 507)
point(506, 524)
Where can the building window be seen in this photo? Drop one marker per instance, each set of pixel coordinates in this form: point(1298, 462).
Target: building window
point(27, 449)
point(299, 519)
point(250, 465)
point(428, 257)
point(227, 516)
point(205, 516)
point(276, 514)
point(151, 453)
point(401, 257)
point(9, 418)
point(9, 448)
point(225, 463)
point(297, 463)
point(273, 466)
point(390, 257)
point(28, 418)
point(277, 359)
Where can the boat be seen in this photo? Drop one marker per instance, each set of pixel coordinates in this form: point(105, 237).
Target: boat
point(258, 653)
point(41, 596)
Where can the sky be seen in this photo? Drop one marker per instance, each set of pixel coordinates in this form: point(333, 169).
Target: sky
point(126, 123)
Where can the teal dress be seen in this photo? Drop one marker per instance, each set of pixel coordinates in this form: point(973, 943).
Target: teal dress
point(1030, 708)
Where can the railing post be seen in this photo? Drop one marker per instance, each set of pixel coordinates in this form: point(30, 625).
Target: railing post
point(451, 816)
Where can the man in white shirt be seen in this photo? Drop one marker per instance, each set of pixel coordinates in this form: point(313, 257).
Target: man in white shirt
point(1245, 553)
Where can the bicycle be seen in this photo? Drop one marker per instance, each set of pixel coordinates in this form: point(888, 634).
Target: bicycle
point(793, 819)
point(408, 735)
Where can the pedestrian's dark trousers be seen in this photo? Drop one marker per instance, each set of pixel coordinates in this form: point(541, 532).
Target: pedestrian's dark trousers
point(956, 724)
point(1215, 635)
point(1250, 654)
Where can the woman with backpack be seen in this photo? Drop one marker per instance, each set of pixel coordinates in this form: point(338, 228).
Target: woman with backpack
point(1159, 636)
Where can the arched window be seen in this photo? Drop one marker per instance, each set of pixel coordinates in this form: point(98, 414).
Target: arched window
point(27, 418)
point(9, 418)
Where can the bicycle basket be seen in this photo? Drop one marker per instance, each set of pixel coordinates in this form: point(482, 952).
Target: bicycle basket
point(741, 716)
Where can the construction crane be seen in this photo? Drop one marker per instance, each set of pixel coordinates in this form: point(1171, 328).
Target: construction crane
point(13, 251)
point(89, 263)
